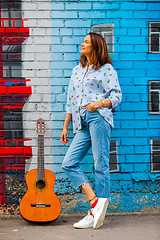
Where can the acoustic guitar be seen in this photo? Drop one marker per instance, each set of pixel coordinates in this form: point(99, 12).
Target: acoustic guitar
point(40, 203)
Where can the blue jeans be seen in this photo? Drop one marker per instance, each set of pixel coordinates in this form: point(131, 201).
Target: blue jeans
point(95, 132)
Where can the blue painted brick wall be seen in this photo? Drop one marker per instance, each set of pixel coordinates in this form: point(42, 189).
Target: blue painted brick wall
point(134, 127)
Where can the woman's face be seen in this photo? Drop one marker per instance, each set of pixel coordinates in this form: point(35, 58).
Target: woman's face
point(86, 46)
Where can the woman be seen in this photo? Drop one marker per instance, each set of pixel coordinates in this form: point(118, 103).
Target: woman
point(93, 92)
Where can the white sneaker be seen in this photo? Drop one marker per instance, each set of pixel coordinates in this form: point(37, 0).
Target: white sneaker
point(99, 212)
point(86, 222)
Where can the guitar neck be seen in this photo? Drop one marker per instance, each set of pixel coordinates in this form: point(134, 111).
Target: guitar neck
point(40, 167)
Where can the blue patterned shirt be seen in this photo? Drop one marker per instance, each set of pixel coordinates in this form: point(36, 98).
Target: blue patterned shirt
point(90, 86)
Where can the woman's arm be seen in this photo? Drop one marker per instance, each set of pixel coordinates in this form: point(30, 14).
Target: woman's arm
point(65, 128)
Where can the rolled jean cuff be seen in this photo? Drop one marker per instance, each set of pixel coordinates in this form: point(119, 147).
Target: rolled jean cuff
point(82, 184)
point(77, 181)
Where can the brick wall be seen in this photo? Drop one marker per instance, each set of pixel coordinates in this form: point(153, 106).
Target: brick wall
point(134, 127)
point(36, 66)
point(56, 30)
point(33, 63)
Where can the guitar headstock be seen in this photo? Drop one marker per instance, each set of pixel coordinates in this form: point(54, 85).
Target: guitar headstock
point(40, 126)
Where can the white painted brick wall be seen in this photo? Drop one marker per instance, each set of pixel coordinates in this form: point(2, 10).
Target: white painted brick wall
point(36, 66)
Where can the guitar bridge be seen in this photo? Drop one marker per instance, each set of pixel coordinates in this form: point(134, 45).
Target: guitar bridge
point(40, 205)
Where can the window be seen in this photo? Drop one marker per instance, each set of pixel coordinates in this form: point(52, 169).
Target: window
point(113, 163)
point(154, 37)
point(11, 9)
point(107, 31)
point(154, 97)
point(13, 128)
point(155, 155)
point(12, 61)
point(12, 53)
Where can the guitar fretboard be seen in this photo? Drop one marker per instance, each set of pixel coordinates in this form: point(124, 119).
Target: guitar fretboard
point(40, 171)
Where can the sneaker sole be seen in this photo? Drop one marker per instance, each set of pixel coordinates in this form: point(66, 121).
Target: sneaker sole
point(99, 223)
point(83, 227)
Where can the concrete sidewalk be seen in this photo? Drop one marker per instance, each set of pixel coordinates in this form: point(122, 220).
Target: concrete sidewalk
point(132, 226)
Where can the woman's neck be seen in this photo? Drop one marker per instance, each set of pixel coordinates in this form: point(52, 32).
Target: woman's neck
point(88, 65)
point(89, 61)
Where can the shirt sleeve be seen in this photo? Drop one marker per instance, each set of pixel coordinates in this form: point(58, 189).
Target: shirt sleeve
point(113, 87)
point(68, 106)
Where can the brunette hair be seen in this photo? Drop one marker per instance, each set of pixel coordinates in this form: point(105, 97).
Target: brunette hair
point(99, 55)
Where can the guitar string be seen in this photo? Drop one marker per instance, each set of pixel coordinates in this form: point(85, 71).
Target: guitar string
point(40, 158)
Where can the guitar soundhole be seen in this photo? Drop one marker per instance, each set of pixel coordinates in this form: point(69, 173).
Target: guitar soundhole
point(40, 184)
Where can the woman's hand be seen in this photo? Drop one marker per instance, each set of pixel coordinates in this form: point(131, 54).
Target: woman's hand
point(63, 136)
point(65, 128)
point(93, 106)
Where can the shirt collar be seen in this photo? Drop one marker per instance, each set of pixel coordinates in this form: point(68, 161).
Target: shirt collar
point(90, 66)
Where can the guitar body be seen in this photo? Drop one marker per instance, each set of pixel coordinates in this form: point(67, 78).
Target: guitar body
point(40, 203)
